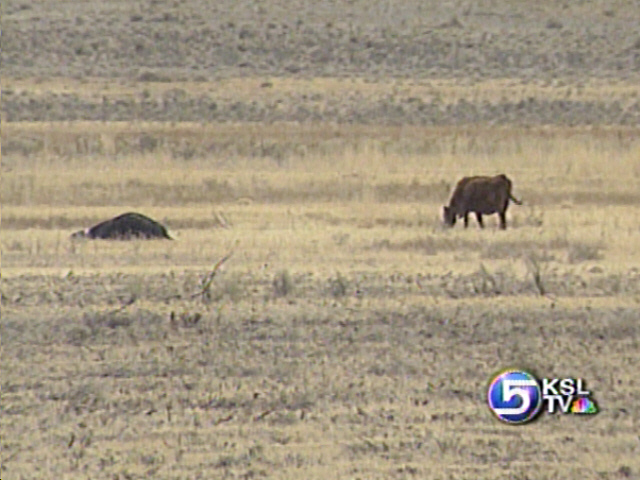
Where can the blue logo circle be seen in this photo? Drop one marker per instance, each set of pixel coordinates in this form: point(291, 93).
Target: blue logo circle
point(514, 396)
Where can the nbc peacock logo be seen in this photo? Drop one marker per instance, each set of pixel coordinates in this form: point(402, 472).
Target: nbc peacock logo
point(584, 406)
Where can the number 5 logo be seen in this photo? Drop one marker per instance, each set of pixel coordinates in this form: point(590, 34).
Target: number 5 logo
point(511, 388)
point(514, 396)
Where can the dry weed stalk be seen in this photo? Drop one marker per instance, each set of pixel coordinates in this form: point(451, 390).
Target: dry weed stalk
point(205, 292)
point(488, 284)
point(535, 269)
point(124, 304)
point(221, 220)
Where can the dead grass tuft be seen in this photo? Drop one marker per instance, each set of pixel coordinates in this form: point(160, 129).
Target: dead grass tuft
point(283, 284)
point(584, 251)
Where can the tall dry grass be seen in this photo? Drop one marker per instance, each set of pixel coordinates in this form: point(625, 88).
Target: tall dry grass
point(96, 164)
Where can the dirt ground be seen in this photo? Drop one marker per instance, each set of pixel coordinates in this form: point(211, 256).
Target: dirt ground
point(349, 334)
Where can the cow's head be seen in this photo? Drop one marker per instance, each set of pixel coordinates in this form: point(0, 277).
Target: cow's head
point(449, 216)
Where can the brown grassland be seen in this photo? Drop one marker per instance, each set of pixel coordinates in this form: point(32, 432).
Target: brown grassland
point(349, 334)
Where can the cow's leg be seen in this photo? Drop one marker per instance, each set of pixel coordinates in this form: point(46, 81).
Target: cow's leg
point(479, 218)
point(466, 219)
point(503, 220)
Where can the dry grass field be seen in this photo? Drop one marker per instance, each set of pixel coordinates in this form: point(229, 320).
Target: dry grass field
point(349, 334)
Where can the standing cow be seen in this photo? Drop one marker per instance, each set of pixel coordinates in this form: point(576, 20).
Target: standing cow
point(481, 195)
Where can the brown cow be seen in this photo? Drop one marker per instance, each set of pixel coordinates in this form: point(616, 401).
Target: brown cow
point(481, 195)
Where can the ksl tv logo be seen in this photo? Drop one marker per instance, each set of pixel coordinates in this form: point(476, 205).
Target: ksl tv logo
point(517, 396)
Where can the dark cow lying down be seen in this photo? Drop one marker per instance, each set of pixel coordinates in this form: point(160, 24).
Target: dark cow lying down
point(125, 227)
point(481, 195)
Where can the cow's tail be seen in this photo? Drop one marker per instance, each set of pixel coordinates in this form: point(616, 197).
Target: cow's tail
point(515, 200)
